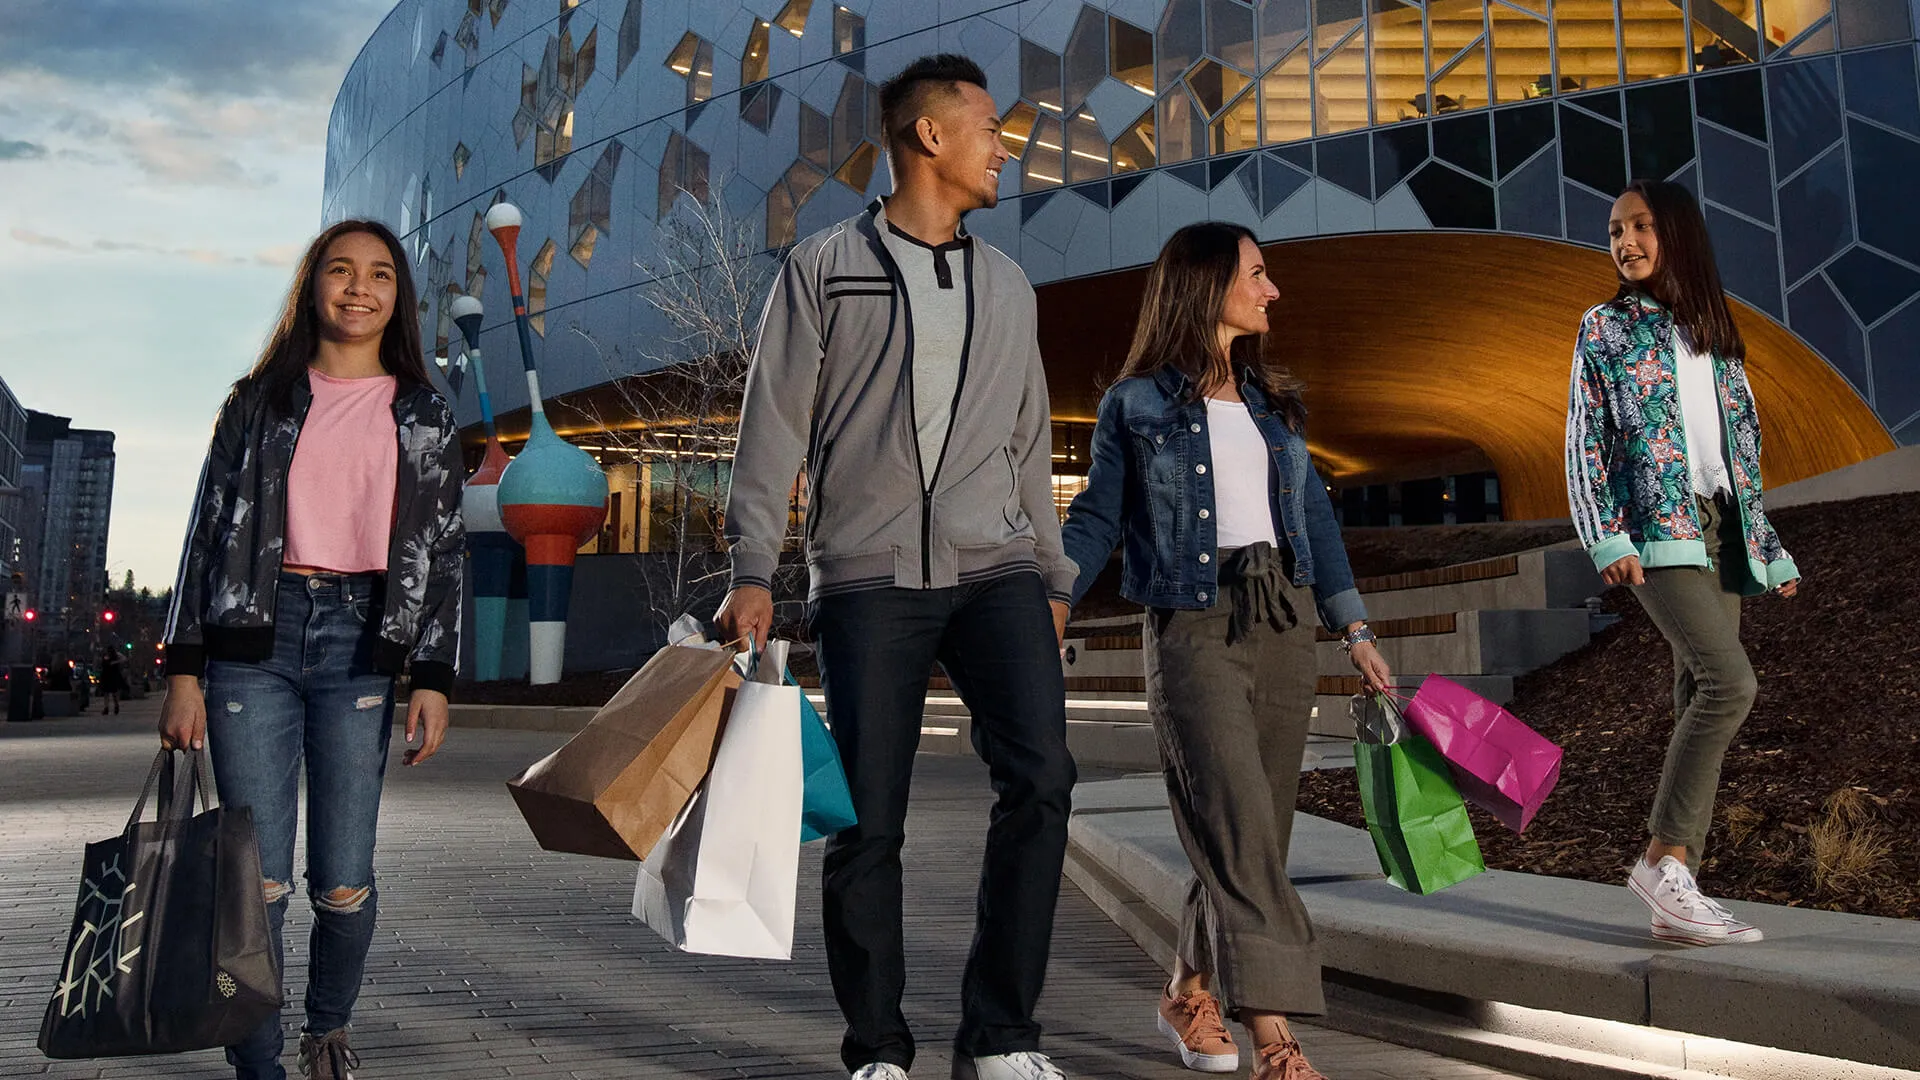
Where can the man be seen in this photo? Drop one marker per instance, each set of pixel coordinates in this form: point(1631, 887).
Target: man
point(897, 354)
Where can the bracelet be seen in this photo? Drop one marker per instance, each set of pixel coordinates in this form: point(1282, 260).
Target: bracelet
point(1354, 637)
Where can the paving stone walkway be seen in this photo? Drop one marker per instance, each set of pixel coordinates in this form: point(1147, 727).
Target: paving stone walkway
point(497, 959)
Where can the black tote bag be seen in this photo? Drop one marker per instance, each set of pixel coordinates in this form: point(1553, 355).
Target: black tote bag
point(170, 948)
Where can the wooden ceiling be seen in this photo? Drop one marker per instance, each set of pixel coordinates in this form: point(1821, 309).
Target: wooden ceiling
point(1435, 353)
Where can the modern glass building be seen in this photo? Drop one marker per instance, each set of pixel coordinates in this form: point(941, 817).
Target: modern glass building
point(1431, 180)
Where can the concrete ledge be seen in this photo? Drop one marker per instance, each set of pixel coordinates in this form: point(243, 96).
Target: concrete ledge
point(560, 718)
point(1840, 986)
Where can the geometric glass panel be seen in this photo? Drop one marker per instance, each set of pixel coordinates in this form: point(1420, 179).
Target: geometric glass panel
point(1340, 87)
point(1086, 147)
point(1040, 76)
point(461, 155)
point(1452, 200)
point(814, 136)
point(1086, 57)
point(1133, 150)
point(1591, 152)
point(1214, 85)
point(1399, 62)
point(1130, 55)
point(1397, 151)
point(1454, 26)
point(1042, 168)
point(1814, 220)
point(1736, 173)
point(1239, 127)
point(1725, 32)
point(1230, 33)
point(1584, 42)
point(582, 247)
point(1181, 39)
point(857, 171)
point(1464, 84)
point(1464, 141)
point(1521, 63)
point(692, 58)
point(1880, 86)
point(1182, 127)
point(756, 64)
point(793, 17)
point(1654, 41)
point(629, 38)
point(1016, 128)
point(537, 276)
point(1518, 134)
point(1659, 129)
point(1333, 20)
point(1283, 24)
point(849, 31)
point(1289, 100)
point(1788, 20)
point(1805, 102)
point(784, 201)
point(849, 120)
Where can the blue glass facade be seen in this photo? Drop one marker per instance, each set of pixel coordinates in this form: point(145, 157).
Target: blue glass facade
point(1797, 122)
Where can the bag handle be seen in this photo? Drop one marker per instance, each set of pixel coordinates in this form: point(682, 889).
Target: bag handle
point(162, 773)
point(1382, 724)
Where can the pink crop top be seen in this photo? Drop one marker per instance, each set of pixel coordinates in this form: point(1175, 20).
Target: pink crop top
point(340, 485)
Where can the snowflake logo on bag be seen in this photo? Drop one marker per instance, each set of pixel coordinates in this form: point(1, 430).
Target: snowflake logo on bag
point(103, 946)
point(225, 982)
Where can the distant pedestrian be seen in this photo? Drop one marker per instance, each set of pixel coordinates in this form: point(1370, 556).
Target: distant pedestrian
point(1200, 474)
point(113, 682)
point(323, 558)
point(898, 356)
point(1663, 476)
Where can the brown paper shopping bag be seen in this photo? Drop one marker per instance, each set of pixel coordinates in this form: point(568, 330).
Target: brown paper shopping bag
point(615, 787)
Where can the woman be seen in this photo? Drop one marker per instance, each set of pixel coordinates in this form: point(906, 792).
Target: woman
point(323, 558)
point(113, 682)
point(1663, 474)
point(1199, 469)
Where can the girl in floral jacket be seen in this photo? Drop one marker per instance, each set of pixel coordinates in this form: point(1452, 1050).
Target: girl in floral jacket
point(323, 557)
point(1663, 476)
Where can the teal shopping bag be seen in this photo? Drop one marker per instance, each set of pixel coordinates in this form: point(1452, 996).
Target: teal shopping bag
point(1415, 815)
point(827, 806)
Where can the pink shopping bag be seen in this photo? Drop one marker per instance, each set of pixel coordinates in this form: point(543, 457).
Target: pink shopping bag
point(1500, 764)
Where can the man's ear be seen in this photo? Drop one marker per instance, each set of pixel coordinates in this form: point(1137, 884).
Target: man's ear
point(927, 134)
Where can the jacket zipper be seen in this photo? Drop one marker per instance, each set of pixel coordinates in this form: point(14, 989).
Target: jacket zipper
point(919, 463)
point(953, 414)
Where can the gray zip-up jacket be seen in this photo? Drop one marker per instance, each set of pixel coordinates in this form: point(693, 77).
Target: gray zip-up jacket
point(832, 381)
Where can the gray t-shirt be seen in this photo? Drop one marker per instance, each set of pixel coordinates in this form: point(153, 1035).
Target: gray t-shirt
point(937, 291)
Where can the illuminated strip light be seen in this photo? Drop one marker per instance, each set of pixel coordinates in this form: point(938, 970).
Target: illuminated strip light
point(1043, 144)
point(1047, 105)
point(1090, 157)
point(1014, 135)
point(1147, 90)
point(1043, 177)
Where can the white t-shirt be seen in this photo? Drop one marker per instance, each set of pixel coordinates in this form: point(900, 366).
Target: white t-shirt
point(1700, 415)
point(1242, 501)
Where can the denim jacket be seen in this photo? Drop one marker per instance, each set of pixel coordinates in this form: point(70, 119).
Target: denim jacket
point(1148, 493)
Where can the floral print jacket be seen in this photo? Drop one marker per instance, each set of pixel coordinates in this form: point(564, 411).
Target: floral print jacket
point(1627, 478)
point(230, 568)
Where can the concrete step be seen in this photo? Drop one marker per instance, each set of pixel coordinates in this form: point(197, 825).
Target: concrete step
point(1538, 956)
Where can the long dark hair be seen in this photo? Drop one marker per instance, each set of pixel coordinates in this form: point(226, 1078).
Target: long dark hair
point(296, 337)
point(1180, 318)
point(1685, 277)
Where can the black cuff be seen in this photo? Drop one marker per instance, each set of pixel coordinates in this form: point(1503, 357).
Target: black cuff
point(432, 675)
point(186, 659)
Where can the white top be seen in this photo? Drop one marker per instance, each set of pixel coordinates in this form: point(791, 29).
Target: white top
point(1242, 502)
point(1700, 415)
point(937, 289)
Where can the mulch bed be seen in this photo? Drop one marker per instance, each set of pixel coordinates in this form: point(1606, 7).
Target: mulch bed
point(1828, 761)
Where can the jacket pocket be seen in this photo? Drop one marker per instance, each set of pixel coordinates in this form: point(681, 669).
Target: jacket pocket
point(816, 478)
point(1016, 518)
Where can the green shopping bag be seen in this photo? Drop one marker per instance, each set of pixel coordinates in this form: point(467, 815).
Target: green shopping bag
point(1414, 813)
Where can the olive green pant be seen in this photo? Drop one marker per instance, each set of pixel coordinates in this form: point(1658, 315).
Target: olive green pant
point(1697, 609)
point(1232, 726)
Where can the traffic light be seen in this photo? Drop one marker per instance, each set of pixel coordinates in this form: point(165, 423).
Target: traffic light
point(31, 615)
point(106, 616)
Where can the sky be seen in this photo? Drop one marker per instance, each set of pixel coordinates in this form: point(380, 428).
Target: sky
point(160, 171)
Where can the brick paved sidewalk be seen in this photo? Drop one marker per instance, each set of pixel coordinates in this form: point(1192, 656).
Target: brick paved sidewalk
point(496, 959)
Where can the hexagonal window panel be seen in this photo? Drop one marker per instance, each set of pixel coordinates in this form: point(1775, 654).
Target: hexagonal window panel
point(1214, 85)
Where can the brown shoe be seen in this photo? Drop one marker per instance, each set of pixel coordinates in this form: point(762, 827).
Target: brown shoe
point(1283, 1060)
point(327, 1057)
point(1193, 1022)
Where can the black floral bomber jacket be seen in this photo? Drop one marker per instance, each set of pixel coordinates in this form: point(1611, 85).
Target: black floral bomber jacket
point(230, 568)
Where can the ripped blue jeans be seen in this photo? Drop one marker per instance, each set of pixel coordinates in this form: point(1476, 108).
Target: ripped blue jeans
point(317, 700)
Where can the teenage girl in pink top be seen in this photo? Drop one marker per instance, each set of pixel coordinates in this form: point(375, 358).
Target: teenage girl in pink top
point(323, 559)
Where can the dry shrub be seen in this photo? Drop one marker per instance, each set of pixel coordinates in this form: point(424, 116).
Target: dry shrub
point(1846, 848)
point(1741, 822)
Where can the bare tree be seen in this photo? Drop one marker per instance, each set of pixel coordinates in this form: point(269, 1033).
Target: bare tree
point(673, 407)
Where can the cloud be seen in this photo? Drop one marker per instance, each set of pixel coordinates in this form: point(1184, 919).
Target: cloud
point(245, 47)
point(282, 255)
point(20, 150)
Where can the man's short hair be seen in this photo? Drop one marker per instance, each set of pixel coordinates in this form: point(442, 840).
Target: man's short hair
point(905, 98)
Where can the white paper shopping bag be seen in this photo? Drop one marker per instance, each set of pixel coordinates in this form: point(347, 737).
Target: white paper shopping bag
point(723, 879)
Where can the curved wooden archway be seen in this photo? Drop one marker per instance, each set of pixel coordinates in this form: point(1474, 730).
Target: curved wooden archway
point(1427, 354)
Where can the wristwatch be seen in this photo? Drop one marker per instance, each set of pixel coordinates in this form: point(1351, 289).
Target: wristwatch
point(1354, 637)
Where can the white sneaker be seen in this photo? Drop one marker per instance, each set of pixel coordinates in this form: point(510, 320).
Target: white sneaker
point(1738, 932)
point(880, 1070)
point(1020, 1065)
point(1680, 911)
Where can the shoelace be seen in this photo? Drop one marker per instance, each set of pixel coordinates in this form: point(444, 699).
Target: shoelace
point(1679, 879)
point(1035, 1066)
point(1290, 1060)
point(339, 1056)
point(1203, 1018)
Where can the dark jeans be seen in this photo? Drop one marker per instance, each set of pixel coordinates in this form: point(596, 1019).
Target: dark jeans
point(995, 640)
point(319, 700)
